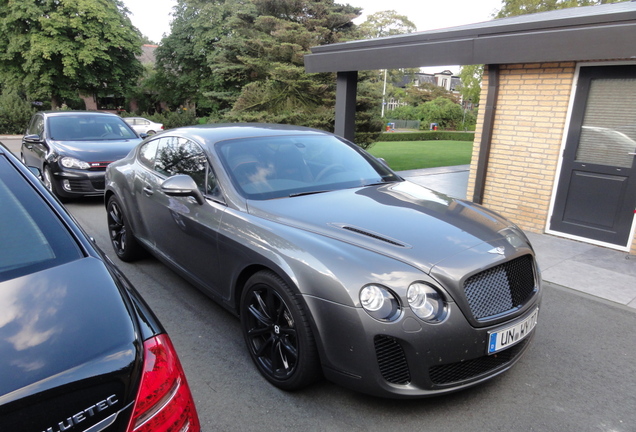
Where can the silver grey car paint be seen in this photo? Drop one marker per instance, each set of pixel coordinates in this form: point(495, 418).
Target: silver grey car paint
point(326, 247)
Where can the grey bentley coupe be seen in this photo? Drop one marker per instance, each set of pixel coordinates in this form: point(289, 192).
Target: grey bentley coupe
point(335, 265)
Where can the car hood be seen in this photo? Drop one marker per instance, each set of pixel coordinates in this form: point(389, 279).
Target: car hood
point(402, 220)
point(96, 151)
point(67, 342)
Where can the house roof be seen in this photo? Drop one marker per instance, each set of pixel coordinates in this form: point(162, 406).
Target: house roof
point(581, 33)
point(147, 54)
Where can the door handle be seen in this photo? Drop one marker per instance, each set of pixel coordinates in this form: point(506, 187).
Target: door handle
point(148, 191)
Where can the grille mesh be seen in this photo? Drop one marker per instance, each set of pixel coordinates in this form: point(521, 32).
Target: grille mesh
point(501, 288)
point(461, 371)
point(391, 360)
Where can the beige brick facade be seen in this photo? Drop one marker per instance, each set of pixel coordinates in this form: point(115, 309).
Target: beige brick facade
point(528, 131)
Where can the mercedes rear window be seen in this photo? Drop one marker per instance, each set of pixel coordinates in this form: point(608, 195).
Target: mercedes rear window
point(32, 237)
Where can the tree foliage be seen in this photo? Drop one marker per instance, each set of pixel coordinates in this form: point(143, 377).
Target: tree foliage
point(244, 60)
point(471, 76)
point(57, 48)
point(15, 113)
point(386, 23)
point(426, 92)
point(443, 111)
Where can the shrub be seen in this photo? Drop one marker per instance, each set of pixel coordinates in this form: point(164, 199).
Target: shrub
point(427, 136)
point(15, 113)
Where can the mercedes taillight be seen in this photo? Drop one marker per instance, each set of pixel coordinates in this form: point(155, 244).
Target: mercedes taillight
point(164, 402)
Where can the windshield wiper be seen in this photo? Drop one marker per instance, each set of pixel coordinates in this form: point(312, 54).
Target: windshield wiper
point(379, 183)
point(297, 194)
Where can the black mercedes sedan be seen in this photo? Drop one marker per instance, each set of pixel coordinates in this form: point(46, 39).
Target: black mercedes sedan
point(335, 265)
point(79, 348)
point(73, 148)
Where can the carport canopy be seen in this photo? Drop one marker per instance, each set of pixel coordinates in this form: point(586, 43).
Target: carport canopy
point(601, 32)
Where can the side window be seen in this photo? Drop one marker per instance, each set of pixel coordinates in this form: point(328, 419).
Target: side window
point(182, 156)
point(147, 153)
point(36, 127)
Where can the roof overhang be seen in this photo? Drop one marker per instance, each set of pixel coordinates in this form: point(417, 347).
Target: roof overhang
point(600, 32)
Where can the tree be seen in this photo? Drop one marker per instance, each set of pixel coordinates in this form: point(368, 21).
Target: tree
point(444, 112)
point(381, 24)
point(55, 48)
point(471, 76)
point(185, 71)
point(426, 92)
point(386, 23)
point(264, 56)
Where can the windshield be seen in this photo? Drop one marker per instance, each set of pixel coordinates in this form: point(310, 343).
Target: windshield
point(88, 128)
point(275, 167)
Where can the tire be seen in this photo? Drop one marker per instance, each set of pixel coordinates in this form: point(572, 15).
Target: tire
point(121, 237)
point(277, 333)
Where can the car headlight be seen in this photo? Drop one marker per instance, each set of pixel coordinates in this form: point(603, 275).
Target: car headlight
point(380, 303)
point(70, 162)
point(426, 302)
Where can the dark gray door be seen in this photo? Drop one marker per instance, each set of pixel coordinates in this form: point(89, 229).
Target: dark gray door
point(596, 193)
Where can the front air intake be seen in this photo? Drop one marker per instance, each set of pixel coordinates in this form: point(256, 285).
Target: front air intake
point(391, 360)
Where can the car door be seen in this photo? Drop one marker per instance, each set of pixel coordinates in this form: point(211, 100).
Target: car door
point(184, 231)
point(34, 151)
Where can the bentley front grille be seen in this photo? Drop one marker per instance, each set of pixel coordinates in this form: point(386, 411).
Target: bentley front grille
point(501, 288)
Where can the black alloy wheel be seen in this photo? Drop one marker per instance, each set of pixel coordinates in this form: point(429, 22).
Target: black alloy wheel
point(277, 333)
point(124, 243)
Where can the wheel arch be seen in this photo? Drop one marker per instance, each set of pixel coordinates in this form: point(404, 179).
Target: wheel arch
point(291, 280)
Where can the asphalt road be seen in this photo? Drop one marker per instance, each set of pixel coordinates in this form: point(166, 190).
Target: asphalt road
point(579, 375)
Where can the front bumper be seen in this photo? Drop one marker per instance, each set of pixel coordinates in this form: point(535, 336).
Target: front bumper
point(70, 183)
point(409, 358)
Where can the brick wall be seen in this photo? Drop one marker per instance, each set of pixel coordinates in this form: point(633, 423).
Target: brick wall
point(528, 131)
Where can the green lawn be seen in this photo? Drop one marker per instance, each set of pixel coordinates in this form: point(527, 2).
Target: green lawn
point(423, 154)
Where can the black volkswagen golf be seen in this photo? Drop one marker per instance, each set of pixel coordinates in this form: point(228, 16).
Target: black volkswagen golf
point(79, 348)
point(73, 148)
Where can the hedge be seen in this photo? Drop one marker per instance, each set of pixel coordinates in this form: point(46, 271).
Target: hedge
point(427, 136)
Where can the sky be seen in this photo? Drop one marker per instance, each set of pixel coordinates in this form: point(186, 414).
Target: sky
point(152, 18)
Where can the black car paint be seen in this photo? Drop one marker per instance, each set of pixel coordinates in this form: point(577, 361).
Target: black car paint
point(74, 356)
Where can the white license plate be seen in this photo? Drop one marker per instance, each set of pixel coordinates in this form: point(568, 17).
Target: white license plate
point(507, 337)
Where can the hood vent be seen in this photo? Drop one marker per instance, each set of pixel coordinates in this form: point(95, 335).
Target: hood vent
point(373, 235)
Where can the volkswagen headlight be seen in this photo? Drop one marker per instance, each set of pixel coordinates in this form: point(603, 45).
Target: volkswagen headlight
point(71, 162)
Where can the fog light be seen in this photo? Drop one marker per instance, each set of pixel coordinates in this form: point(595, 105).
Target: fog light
point(66, 185)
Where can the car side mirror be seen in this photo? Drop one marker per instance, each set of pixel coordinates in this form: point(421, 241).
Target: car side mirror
point(143, 135)
point(36, 172)
point(34, 138)
point(182, 185)
point(383, 162)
